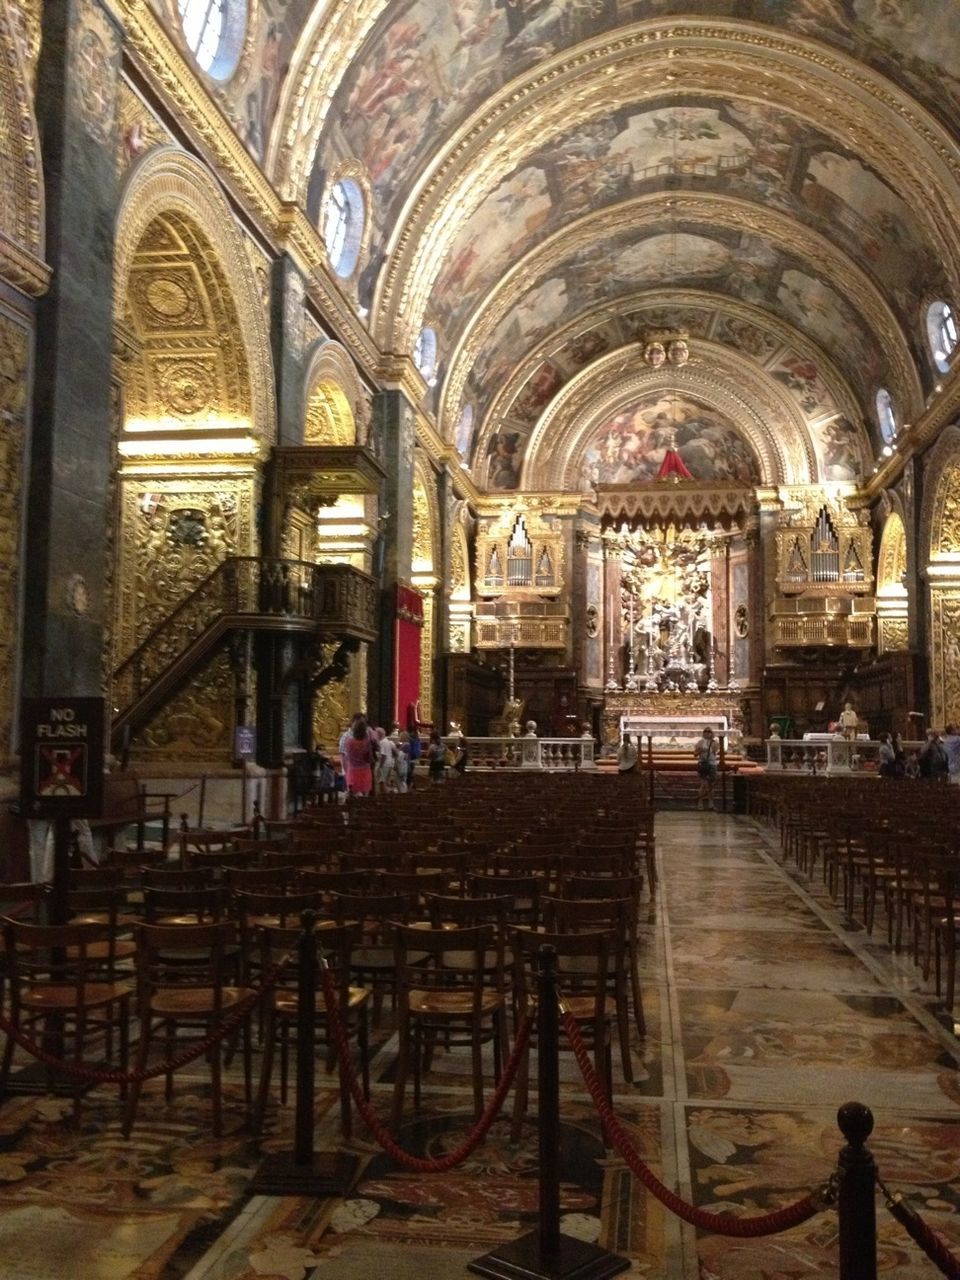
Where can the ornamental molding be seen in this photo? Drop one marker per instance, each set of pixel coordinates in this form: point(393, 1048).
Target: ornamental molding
point(21, 206)
point(165, 181)
point(760, 408)
point(663, 501)
point(715, 212)
point(21, 269)
point(866, 113)
point(940, 513)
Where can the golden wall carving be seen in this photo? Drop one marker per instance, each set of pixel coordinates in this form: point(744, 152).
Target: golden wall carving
point(197, 724)
point(945, 643)
point(173, 534)
point(14, 357)
point(331, 712)
point(21, 189)
point(427, 649)
point(328, 418)
point(170, 194)
point(336, 403)
point(893, 634)
point(892, 563)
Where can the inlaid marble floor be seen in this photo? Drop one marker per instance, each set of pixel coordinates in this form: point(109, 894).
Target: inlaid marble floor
point(764, 1015)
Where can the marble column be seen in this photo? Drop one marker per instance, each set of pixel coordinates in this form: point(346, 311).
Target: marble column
point(394, 421)
point(71, 456)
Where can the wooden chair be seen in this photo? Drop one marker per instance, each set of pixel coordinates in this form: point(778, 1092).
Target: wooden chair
point(58, 987)
point(524, 890)
point(583, 970)
point(439, 993)
point(182, 988)
point(280, 1025)
point(372, 960)
point(617, 916)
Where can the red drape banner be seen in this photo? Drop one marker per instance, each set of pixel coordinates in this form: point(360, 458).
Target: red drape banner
point(673, 466)
point(409, 625)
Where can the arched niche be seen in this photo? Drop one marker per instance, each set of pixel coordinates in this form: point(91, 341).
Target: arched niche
point(940, 543)
point(459, 588)
point(335, 410)
point(169, 189)
point(892, 595)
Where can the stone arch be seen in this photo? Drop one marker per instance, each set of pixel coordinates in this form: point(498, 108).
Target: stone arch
point(334, 404)
point(940, 543)
point(21, 180)
point(170, 193)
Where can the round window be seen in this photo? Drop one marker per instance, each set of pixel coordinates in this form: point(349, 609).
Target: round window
point(214, 31)
point(941, 334)
point(343, 225)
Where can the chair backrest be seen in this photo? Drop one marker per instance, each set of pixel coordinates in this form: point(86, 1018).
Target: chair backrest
point(102, 877)
point(252, 879)
point(335, 944)
point(176, 877)
point(524, 890)
point(587, 915)
point(57, 955)
point(200, 905)
point(106, 901)
point(469, 912)
point(582, 965)
point(23, 900)
point(436, 959)
point(580, 886)
point(286, 908)
point(182, 956)
point(375, 912)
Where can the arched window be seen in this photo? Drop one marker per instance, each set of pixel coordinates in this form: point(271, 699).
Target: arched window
point(886, 418)
point(343, 225)
point(214, 31)
point(463, 436)
point(425, 354)
point(941, 334)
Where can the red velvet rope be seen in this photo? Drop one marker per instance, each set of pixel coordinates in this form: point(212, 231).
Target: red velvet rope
point(931, 1244)
point(476, 1135)
point(102, 1075)
point(721, 1224)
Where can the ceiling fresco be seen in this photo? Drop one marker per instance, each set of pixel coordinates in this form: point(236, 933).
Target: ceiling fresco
point(810, 220)
point(738, 265)
point(629, 448)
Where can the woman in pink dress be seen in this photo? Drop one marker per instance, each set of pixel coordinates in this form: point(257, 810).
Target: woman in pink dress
point(358, 760)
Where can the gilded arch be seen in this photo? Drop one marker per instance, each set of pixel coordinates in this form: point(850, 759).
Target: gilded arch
point(892, 596)
point(169, 185)
point(769, 421)
point(334, 400)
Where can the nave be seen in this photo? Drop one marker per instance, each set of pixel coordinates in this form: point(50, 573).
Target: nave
point(763, 1015)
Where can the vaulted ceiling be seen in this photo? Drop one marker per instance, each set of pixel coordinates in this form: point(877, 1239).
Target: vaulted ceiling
point(549, 178)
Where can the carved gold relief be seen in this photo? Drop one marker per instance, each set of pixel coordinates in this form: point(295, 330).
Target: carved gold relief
point(945, 638)
point(21, 198)
point(426, 655)
point(331, 712)
point(173, 534)
point(14, 347)
point(894, 634)
point(196, 725)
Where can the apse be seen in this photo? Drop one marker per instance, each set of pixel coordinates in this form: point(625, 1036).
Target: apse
point(631, 447)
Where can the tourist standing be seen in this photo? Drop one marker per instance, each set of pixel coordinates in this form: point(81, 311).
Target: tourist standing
point(706, 756)
point(627, 756)
point(359, 758)
point(933, 758)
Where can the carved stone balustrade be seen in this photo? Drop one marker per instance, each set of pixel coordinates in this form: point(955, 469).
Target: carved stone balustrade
point(552, 754)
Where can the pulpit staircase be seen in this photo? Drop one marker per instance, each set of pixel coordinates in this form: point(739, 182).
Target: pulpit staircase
point(244, 593)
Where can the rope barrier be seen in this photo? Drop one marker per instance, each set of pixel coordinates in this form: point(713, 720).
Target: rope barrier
point(101, 1075)
point(946, 1262)
point(721, 1224)
point(476, 1135)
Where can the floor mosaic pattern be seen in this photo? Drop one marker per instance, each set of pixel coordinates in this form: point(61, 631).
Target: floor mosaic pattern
point(764, 1014)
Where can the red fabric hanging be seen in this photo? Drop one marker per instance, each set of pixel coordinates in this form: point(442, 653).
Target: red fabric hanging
point(673, 466)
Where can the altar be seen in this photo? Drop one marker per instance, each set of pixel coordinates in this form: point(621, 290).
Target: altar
point(673, 721)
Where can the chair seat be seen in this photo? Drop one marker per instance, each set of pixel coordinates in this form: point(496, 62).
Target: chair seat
point(174, 1001)
point(452, 1002)
point(580, 1007)
point(286, 1002)
point(60, 999)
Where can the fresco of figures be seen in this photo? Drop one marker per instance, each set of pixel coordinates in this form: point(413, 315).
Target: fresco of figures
point(731, 263)
point(630, 448)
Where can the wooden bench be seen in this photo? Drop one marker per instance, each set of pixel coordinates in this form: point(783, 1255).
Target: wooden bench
point(127, 803)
